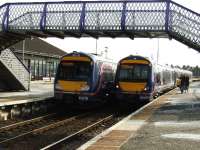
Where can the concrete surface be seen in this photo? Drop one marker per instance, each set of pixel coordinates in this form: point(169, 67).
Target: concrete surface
point(175, 125)
point(39, 90)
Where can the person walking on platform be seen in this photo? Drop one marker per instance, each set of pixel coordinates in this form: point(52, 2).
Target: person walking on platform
point(182, 78)
point(187, 83)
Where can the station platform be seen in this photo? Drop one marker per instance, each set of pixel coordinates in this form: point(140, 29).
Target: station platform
point(39, 90)
point(171, 121)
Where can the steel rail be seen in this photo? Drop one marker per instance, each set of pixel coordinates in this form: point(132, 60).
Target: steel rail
point(53, 145)
point(26, 122)
point(44, 128)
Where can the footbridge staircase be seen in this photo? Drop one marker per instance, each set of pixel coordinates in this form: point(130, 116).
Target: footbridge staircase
point(13, 74)
point(120, 18)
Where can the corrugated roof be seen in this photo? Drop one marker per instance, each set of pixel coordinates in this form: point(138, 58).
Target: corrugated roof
point(37, 45)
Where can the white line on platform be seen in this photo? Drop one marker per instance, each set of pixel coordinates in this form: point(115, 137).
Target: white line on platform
point(16, 102)
point(131, 125)
point(177, 124)
point(184, 136)
point(181, 102)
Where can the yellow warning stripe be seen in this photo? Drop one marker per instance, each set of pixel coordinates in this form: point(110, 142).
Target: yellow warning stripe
point(76, 58)
point(72, 86)
point(134, 62)
point(132, 86)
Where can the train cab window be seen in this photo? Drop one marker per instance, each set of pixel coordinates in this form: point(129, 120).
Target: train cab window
point(133, 72)
point(123, 75)
point(158, 78)
point(80, 71)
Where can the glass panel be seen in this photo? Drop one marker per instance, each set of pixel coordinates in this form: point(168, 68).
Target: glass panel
point(44, 68)
point(75, 71)
point(133, 73)
point(32, 69)
point(47, 69)
point(36, 69)
point(55, 67)
point(40, 69)
point(51, 69)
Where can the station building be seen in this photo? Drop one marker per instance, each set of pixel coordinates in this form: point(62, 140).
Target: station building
point(40, 57)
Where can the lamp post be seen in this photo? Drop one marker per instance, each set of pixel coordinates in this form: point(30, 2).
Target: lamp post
point(158, 50)
point(23, 49)
point(106, 52)
point(96, 46)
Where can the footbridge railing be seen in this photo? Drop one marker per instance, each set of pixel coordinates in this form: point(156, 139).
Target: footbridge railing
point(130, 18)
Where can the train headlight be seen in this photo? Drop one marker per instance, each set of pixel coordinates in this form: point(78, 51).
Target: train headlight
point(117, 86)
point(146, 88)
point(58, 87)
point(85, 88)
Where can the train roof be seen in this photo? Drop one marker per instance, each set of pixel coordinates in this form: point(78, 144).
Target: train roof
point(93, 57)
point(177, 70)
point(158, 66)
point(139, 57)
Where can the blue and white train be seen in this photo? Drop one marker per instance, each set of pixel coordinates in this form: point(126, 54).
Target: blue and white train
point(138, 79)
point(84, 78)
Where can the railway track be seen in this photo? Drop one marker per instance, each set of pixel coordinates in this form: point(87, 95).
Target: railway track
point(45, 135)
point(77, 137)
point(81, 131)
point(13, 132)
point(36, 134)
point(57, 133)
point(26, 122)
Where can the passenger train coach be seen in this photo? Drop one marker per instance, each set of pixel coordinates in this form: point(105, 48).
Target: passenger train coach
point(84, 78)
point(137, 79)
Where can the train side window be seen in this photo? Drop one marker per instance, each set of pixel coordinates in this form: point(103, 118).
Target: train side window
point(108, 74)
point(158, 79)
point(166, 77)
point(99, 66)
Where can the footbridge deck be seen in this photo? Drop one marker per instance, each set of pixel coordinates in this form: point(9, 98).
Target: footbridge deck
point(130, 18)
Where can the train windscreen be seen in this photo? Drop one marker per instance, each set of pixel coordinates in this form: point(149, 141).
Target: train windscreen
point(133, 72)
point(75, 71)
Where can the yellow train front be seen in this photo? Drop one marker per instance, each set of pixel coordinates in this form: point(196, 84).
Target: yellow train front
point(134, 80)
point(83, 79)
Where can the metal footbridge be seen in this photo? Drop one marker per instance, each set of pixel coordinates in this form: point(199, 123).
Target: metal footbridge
point(120, 18)
point(125, 18)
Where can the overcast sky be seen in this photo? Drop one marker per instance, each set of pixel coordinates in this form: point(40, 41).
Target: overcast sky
point(171, 51)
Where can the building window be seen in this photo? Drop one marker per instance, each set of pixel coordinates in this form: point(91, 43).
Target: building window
point(55, 67)
point(44, 68)
point(51, 68)
point(47, 69)
point(32, 69)
point(36, 69)
point(40, 69)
